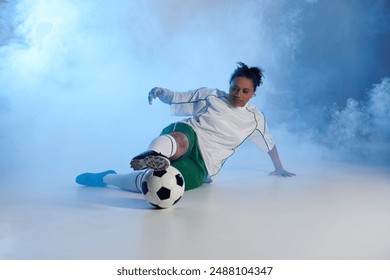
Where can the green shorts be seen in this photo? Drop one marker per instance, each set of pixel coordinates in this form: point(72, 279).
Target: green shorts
point(191, 164)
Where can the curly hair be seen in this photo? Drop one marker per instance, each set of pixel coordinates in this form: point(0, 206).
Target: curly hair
point(253, 73)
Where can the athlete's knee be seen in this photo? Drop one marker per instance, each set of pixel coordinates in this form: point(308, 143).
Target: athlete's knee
point(181, 142)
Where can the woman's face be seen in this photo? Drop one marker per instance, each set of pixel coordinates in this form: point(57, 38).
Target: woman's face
point(241, 90)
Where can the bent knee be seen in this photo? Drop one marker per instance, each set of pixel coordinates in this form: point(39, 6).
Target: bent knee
point(181, 142)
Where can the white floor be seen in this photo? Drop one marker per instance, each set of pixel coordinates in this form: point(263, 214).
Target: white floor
point(329, 211)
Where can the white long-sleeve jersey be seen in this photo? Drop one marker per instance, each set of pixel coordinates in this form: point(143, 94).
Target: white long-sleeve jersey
point(220, 127)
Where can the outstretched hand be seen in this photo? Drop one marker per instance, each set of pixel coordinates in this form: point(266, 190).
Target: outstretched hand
point(164, 95)
point(281, 173)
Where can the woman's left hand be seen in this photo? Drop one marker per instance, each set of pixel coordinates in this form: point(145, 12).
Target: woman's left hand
point(281, 173)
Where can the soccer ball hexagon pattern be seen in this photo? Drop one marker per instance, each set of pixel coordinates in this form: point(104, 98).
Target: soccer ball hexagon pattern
point(163, 189)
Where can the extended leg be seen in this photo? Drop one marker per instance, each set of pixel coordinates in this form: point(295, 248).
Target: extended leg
point(129, 182)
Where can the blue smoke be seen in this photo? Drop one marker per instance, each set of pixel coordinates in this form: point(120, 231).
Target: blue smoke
point(74, 74)
point(362, 126)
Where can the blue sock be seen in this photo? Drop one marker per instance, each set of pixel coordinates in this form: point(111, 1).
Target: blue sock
point(93, 179)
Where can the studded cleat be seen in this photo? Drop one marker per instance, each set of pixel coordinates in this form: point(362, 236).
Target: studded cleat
point(150, 159)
